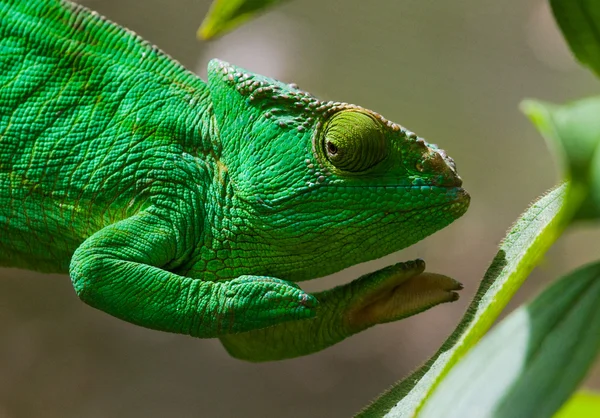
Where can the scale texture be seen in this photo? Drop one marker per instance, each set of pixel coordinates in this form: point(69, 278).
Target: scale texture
point(194, 207)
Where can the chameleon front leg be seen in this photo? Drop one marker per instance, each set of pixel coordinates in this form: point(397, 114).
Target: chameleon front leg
point(119, 270)
point(389, 294)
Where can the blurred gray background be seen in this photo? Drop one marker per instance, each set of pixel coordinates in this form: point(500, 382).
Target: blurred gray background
point(454, 72)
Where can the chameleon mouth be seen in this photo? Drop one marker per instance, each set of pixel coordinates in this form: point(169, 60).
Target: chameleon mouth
point(461, 203)
point(457, 200)
point(462, 195)
point(461, 199)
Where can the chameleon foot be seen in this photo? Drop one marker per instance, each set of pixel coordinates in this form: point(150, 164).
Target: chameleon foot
point(389, 294)
point(397, 292)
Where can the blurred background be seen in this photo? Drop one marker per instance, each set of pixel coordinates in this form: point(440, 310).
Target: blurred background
point(454, 72)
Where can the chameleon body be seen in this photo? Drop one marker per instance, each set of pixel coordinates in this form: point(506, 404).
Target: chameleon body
point(194, 207)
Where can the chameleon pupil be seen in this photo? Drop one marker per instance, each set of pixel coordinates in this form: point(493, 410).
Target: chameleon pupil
point(332, 148)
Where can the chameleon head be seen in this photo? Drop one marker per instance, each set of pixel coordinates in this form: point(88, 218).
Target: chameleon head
point(323, 185)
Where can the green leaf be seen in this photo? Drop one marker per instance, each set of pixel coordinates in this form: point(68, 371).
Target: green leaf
point(532, 361)
point(521, 251)
point(579, 21)
point(224, 15)
point(581, 405)
point(573, 132)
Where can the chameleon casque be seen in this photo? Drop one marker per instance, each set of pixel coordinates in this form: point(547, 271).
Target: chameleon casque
point(193, 207)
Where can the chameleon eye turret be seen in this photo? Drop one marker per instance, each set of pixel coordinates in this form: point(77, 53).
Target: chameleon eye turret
point(353, 141)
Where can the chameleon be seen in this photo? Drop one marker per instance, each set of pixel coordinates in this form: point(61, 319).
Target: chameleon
point(196, 207)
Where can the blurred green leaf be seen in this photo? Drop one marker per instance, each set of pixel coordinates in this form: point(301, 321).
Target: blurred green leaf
point(581, 405)
point(521, 251)
point(224, 15)
point(579, 21)
point(573, 132)
point(533, 360)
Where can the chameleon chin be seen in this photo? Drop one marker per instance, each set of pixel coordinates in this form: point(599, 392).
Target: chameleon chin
point(194, 207)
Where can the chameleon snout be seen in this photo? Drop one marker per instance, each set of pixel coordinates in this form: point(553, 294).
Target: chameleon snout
point(443, 168)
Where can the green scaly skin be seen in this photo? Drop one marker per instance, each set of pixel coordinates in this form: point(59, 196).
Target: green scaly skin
point(194, 207)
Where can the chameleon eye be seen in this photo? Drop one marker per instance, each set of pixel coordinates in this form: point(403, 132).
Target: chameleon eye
point(353, 141)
